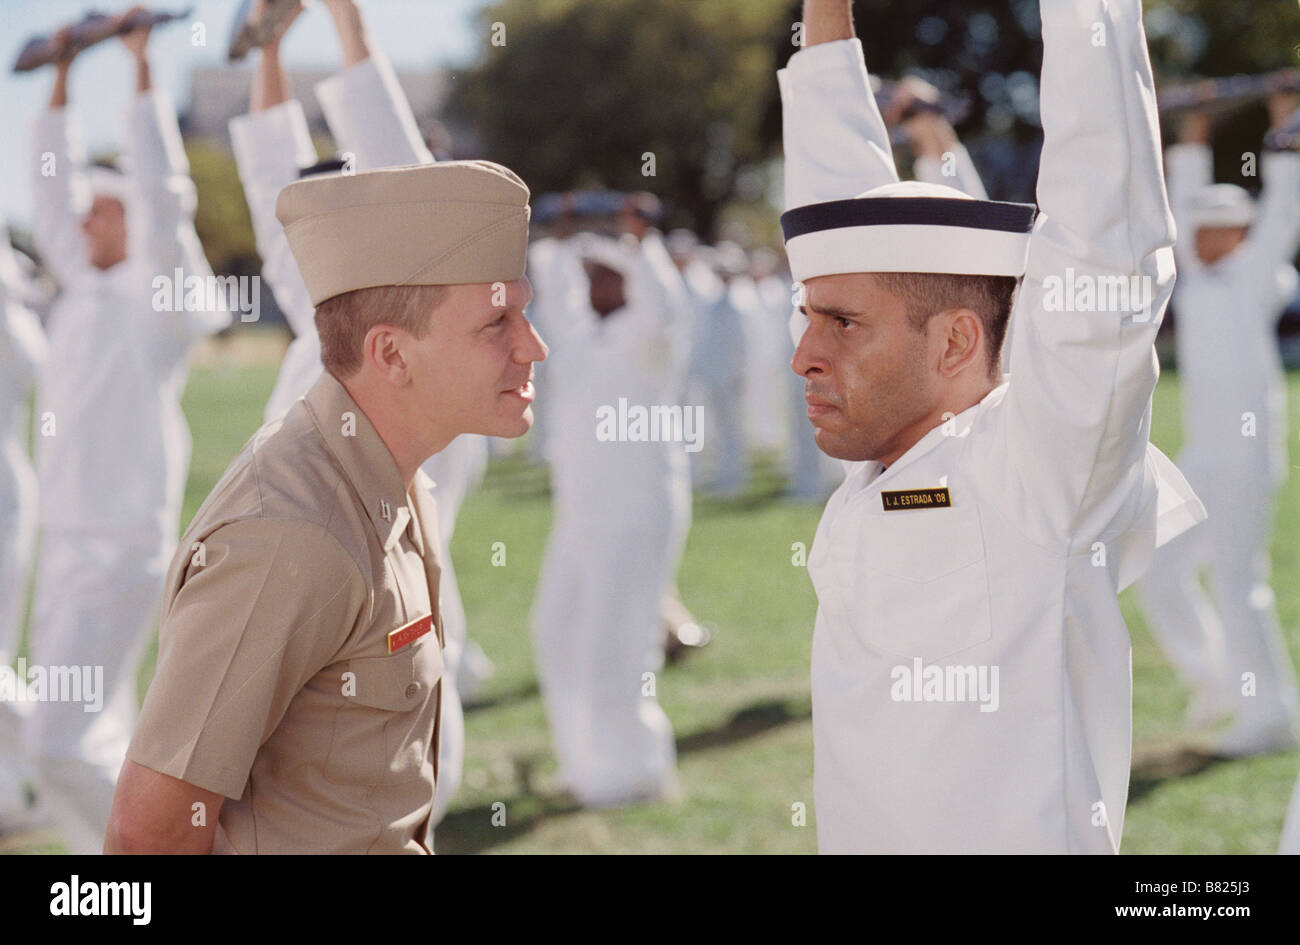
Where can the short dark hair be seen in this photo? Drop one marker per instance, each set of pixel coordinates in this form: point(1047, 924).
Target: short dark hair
point(925, 294)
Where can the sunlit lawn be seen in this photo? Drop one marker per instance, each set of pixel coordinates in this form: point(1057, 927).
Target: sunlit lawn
point(741, 707)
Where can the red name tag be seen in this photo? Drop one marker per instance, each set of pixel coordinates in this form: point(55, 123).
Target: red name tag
point(408, 634)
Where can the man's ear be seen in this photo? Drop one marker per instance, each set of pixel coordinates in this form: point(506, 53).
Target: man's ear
point(961, 342)
point(383, 353)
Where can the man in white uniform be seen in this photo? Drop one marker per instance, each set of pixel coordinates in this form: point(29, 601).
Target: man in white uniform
point(939, 158)
point(622, 509)
point(1235, 277)
point(766, 352)
point(373, 126)
point(22, 352)
point(112, 444)
point(970, 665)
point(719, 351)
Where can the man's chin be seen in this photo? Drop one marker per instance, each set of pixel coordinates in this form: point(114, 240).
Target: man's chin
point(510, 427)
point(835, 447)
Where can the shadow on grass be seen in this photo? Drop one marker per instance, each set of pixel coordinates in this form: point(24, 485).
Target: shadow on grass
point(472, 829)
point(1156, 765)
point(749, 722)
point(520, 693)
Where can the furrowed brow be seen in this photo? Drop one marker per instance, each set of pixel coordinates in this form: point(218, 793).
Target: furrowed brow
point(830, 311)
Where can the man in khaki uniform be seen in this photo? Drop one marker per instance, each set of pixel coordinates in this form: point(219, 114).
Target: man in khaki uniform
point(297, 691)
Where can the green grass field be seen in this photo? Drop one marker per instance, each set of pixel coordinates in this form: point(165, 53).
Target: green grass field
point(741, 708)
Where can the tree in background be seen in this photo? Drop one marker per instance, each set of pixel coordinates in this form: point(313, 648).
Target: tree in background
point(581, 89)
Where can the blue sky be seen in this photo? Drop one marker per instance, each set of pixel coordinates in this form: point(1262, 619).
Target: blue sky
point(413, 33)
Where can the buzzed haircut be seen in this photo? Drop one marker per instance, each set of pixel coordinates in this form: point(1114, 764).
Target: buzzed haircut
point(343, 320)
point(925, 294)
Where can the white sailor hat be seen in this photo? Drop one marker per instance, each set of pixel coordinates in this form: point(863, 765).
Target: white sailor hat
point(909, 226)
point(1222, 205)
point(109, 182)
point(613, 254)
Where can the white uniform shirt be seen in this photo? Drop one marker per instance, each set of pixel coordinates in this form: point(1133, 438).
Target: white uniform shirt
point(1048, 473)
point(1227, 314)
point(961, 173)
point(636, 355)
point(22, 352)
point(116, 368)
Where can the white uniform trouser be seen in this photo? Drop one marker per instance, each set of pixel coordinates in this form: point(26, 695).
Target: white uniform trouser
point(451, 727)
point(724, 435)
point(456, 471)
point(17, 537)
point(597, 632)
point(1213, 641)
point(96, 599)
point(1290, 844)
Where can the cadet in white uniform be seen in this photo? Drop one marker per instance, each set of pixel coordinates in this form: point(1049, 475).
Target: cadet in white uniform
point(970, 665)
point(719, 351)
point(940, 158)
point(766, 353)
point(22, 352)
point(621, 510)
point(1233, 285)
point(112, 445)
point(373, 126)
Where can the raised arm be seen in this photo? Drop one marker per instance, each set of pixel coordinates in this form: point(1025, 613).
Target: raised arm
point(940, 156)
point(1189, 165)
point(60, 187)
point(160, 215)
point(164, 195)
point(364, 104)
point(1275, 236)
point(836, 145)
point(271, 144)
point(1079, 403)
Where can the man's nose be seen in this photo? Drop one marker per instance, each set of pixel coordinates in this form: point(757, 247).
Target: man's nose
point(806, 360)
point(536, 349)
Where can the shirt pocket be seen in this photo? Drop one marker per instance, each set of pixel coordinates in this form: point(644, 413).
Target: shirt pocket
point(919, 583)
point(384, 729)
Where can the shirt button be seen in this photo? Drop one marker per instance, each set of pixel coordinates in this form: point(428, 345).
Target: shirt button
point(412, 690)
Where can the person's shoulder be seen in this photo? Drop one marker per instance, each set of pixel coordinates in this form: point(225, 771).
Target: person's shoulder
point(297, 474)
point(286, 474)
point(266, 543)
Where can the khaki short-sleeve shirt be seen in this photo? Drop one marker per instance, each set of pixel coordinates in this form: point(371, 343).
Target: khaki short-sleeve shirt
point(300, 649)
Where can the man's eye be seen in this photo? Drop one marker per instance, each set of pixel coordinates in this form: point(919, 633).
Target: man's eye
point(842, 322)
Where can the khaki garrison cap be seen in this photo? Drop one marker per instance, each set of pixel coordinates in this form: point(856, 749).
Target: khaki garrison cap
point(423, 224)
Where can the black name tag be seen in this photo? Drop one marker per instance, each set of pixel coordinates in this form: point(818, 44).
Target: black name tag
point(916, 499)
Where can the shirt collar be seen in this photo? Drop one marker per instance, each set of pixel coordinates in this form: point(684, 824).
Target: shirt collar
point(366, 461)
point(958, 425)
